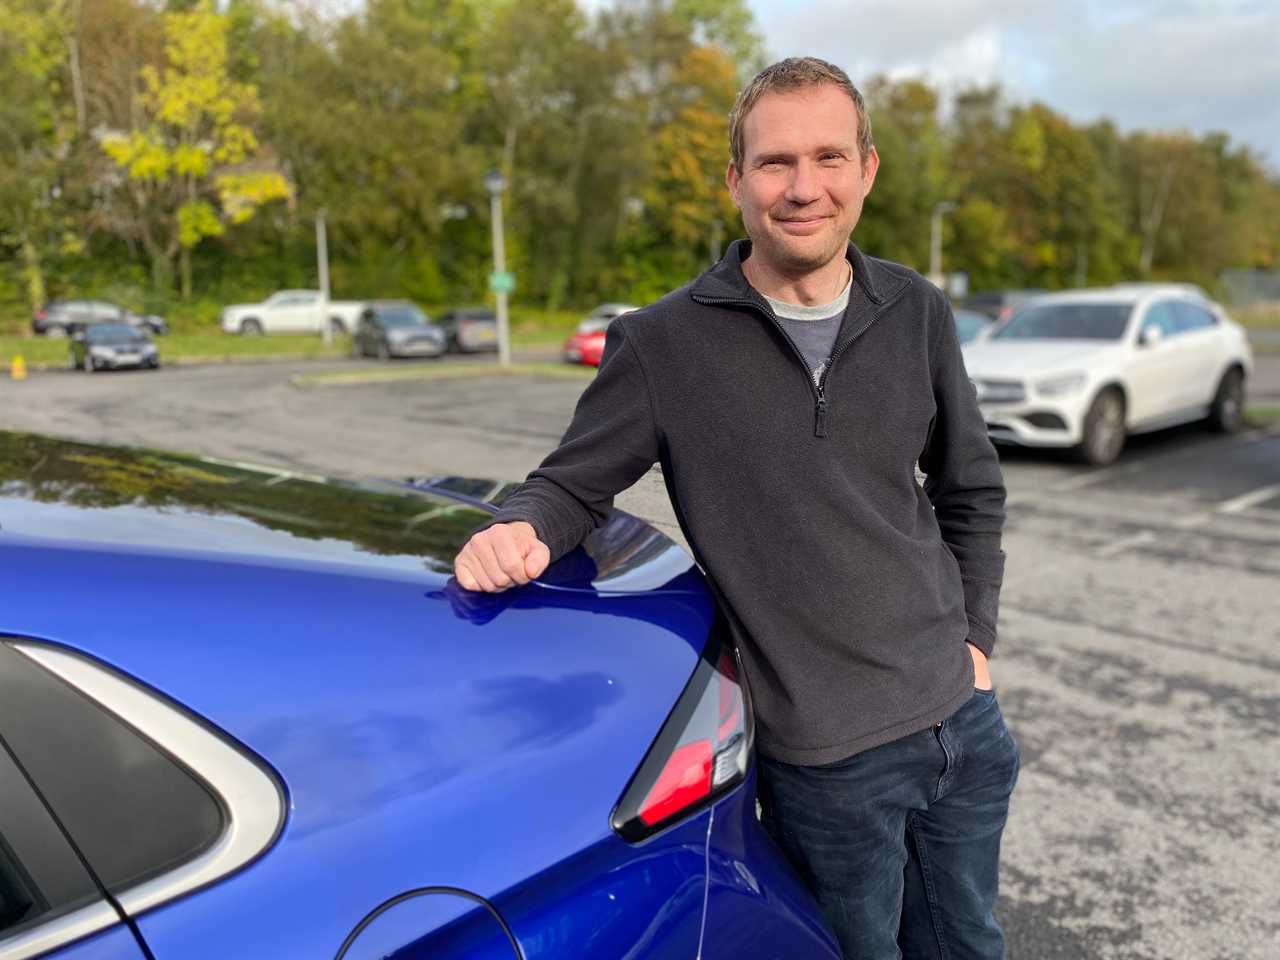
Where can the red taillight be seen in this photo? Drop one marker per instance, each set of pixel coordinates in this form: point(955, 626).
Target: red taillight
point(702, 752)
point(685, 780)
point(41, 313)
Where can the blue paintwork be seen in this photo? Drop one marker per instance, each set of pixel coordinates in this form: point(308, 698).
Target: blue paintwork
point(116, 943)
point(755, 905)
point(425, 735)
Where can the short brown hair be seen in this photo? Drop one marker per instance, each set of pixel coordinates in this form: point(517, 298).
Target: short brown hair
point(792, 74)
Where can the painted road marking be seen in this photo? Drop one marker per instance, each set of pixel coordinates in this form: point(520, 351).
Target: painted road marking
point(1139, 539)
point(1250, 499)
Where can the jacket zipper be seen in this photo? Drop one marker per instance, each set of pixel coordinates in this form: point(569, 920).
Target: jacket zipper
point(818, 388)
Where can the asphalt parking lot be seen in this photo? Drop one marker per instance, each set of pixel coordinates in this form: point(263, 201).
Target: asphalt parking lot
point(1139, 660)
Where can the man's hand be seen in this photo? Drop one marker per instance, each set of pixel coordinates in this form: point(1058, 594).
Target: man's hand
point(505, 555)
point(981, 672)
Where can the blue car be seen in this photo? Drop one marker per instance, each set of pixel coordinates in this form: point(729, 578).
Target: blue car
point(248, 714)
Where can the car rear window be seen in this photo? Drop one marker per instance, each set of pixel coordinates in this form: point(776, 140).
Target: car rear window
point(133, 810)
point(1067, 321)
point(40, 877)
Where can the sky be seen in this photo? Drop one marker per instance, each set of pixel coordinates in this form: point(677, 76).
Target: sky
point(1197, 65)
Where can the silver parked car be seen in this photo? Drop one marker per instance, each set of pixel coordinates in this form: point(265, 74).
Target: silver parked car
point(109, 346)
point(470, 329)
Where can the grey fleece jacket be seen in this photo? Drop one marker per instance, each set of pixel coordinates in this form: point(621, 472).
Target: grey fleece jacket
point(850, 589)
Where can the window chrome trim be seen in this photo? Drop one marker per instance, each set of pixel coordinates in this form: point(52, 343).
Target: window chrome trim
point(253, 802)
point(60, 931)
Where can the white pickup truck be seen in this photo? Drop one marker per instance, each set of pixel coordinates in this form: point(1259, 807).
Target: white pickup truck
point(292, 311)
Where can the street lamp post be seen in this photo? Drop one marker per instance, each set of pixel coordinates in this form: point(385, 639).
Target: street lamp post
point(322, 263)
point(935, 241)
point(495, 183)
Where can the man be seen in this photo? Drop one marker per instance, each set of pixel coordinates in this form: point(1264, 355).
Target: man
point(790, 393)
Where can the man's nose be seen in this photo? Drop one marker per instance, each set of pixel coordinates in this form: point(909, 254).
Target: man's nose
point(804, 185)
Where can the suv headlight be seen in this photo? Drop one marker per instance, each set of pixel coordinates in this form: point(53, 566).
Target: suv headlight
point(1056, 386)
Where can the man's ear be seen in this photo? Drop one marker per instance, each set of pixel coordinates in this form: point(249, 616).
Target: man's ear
point(732, 179)
point(870, 164)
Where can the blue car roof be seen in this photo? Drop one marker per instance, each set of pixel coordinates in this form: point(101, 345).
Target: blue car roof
point(424, 735)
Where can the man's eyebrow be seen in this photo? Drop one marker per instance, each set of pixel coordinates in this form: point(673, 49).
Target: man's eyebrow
point(764, 156)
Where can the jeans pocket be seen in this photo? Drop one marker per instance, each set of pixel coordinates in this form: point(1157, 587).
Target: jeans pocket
point(989, 694)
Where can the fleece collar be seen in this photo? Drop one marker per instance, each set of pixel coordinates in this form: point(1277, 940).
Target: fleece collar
point(726, 280)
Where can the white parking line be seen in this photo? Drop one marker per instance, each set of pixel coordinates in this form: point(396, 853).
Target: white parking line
point(1139, 539)
point(1250, 499)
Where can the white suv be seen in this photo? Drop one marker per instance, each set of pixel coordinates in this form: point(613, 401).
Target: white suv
point(1087, 368)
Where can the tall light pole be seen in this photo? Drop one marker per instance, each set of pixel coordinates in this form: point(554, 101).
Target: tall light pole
point(935, 242)
point(322, 258)
point(500, 283)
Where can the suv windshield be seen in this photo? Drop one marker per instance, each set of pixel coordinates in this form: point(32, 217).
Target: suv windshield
point(1067, 321)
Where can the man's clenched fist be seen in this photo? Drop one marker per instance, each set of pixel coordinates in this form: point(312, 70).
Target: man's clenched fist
point(505, 555)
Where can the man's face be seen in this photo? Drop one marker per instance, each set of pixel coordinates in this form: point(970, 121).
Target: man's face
point(803, 180)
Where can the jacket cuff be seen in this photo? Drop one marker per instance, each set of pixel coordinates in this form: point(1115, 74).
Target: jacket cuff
point(982, 607)
point(561, 531)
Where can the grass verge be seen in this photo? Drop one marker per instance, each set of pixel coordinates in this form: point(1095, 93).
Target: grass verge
point(451, 372)
point(1262, 416)
point(42, 353)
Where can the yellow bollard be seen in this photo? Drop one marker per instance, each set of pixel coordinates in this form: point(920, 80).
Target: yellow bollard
point(18, 368)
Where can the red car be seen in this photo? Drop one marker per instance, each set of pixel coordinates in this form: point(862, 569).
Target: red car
point(586, 344)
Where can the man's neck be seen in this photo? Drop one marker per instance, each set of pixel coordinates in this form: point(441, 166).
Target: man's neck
point(820, 286)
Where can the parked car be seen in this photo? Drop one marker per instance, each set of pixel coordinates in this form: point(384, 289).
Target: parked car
point(396, 328)
point(58, 318)
point(999, 305)
point(586, 343)
point(470, 329)
point(972, 325)
point(249, 714)
point(292, 311)
point(109, 346)
point(1088, 368)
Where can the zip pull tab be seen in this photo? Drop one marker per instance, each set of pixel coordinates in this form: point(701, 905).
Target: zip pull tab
point(820, 419)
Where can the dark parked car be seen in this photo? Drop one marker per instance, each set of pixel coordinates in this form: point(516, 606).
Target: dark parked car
point(58, 318)
point(108, 346)
point(470, 329)
point(396, 328)
point(247, 714)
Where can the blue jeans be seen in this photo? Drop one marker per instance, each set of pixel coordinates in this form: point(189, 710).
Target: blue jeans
point(901, 843)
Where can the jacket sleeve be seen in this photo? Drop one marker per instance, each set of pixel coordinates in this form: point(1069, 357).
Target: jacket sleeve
point(611, 443)
point(964, 483)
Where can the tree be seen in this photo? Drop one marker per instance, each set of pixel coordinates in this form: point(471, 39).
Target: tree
point(912, 175)
point(193, 164)
point(35, 132)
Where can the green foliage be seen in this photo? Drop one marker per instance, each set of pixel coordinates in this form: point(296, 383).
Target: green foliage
point(193, 163)
point(140, 139)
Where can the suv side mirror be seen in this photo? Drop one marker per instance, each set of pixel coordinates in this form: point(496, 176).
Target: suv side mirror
point(1151, 335)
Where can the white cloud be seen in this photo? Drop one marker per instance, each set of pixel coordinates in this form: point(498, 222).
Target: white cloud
point(1153, 64)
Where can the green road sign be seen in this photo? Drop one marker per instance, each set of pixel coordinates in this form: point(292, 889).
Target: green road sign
point(502, 282)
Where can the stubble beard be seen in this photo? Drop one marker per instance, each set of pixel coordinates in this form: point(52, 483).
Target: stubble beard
point(789, 261)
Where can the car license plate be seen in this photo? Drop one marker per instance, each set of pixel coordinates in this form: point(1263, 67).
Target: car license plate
point(486, 334)
point(127, 357)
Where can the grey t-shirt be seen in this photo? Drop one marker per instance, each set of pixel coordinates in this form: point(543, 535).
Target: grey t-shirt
point(814, 329)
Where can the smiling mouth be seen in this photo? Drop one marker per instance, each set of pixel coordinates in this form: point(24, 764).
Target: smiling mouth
point(801, 224)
